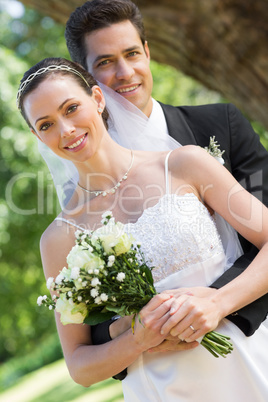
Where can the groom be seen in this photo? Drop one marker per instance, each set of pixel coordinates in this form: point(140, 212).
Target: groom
point(107, 38)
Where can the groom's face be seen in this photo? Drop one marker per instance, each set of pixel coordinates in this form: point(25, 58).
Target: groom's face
point(117, 58)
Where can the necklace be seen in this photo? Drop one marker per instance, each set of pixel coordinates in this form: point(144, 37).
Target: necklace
point(114, 188)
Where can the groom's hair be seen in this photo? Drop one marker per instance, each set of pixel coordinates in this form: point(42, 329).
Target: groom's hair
point(98, 14)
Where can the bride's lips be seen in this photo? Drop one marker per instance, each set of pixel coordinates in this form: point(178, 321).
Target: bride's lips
point(77, 143)
point(127, 90)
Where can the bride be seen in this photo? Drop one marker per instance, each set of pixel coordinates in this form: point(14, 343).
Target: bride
point(168, 201)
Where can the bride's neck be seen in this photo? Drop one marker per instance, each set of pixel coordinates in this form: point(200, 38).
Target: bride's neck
point(105, 168)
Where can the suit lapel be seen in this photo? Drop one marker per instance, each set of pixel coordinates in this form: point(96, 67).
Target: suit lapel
point(177, 125)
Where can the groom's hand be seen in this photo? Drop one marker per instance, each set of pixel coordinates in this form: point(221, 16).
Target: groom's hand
point(173, 343)
point(198, 291)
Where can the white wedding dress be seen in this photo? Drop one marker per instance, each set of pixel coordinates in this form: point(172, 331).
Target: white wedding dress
point(179, 237)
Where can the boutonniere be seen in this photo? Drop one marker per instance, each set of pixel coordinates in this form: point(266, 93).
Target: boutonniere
point(214, 150)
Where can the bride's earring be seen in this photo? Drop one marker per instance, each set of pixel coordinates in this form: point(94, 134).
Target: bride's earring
point(99, 110)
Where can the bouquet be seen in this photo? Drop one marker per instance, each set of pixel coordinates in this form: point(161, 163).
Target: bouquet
point(107, 275)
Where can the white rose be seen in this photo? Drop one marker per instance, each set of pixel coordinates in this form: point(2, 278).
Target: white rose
point(71, 313)
point(113, 238)
point(95, 263)
point(78, 257)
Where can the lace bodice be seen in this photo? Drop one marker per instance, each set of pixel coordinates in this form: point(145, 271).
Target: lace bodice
point(175, 233)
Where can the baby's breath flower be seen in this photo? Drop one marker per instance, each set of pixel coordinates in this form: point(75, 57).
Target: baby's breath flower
point(107, 214)
point(106, 217)
point(50, 282)
point(77, 233)
point(104, 297)
point(75, 273)
point(97, 300)
point(39, 300)
point(120, 276)
point(95, 282)
point(94, 292)
point(79, 298)
point(111, 260)
point(59, 279)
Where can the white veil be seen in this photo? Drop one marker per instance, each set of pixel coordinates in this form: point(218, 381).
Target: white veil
point(129, 127)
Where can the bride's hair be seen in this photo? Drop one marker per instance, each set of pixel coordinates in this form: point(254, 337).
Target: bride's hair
point(51, 66)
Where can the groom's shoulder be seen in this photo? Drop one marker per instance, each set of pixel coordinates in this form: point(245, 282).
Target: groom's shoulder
point(201, 112)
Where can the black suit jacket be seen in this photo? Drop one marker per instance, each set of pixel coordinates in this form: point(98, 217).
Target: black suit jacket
point(246, 159)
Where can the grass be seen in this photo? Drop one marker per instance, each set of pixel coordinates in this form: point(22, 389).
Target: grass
point(53, 383)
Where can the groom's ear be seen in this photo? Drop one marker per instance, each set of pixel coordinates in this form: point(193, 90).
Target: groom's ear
point(146, 49)
point(98, 96)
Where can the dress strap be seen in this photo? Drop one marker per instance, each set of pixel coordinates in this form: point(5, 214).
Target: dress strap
point(166, 172)
point(69, 223)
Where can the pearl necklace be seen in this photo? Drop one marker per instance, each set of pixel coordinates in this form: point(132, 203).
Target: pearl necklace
point(114, 188)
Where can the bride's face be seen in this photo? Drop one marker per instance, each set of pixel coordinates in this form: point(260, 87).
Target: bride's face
point(65, 117)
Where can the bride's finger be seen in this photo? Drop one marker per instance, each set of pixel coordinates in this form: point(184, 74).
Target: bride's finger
point(177, 303)
point(155, 310)
point(157, 301)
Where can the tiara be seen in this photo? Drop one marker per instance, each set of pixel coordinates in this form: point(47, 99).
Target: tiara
point(43, 70)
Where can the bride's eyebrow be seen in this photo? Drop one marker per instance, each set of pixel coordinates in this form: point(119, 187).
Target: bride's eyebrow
point(59, 109)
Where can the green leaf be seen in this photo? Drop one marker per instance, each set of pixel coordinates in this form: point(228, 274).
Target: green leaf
point(97, 317)
point(121, 310)
point(148, 274)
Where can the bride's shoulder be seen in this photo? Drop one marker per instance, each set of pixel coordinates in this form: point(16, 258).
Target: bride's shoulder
point(185, 156)
point(55, 244)
point(56, 237)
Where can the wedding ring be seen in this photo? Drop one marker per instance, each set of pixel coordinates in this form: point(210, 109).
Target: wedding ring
point(192, 328)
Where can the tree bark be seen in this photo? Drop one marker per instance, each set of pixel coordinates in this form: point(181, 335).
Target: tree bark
point(220, 43)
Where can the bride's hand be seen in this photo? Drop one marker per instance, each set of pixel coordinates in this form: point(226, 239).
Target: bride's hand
point(119, 326)
point(150, 320)
point(192, 317)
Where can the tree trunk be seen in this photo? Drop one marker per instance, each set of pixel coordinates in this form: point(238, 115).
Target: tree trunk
point(220, 43)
